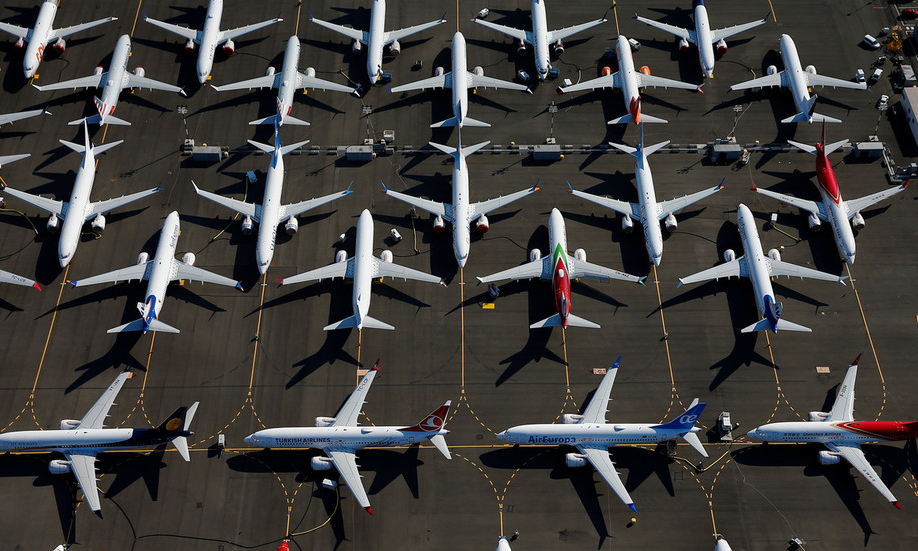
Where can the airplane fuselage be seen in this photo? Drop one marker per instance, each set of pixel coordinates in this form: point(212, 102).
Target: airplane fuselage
point(540, 36)
point(462, 234)
point(363, 267)
point(352, 438)
point(560, 279)
point(38, 37)
point(209, 35)
point(161, 273)
point(756, 262)
point(853, 432)
point(111, 88)
point(630, 90)
point(591, 435)
point(703, 40)
point(376, 34)
point(288, 79)
point(836, 207)
point(460, 87)
point(83, 440)
point(647, 201)
point(796, 80)
point(75, 216)
point(270, 212)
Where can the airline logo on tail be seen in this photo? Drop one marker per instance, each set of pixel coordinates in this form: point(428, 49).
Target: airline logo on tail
point(433, 422)
point(635, 109)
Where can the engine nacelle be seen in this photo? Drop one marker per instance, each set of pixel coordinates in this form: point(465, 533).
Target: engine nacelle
point(291, 226)
point(814, 222)
point(721, 46)
point(857, 221)
point(627, 223)
point(684, 45)
point(139, 72)
point(729, 255)
point(142, 258)
point(386, 256)
point(575, 459)
point(20, 44)
point(817, 416)
point(60, 46)
point(189, 258)
point(534, 255)
point(559, 47)
point(189, 47)
point(59, 466)
point(270, 71)
point(670, 223)
point(829, 458)
point(580, 255)
point(439, 225)
point(478, 70)
point(98, 223)
point(98, 70)
point(229, 47)
point(645, 70)
point(356, 47)
point(482, 225)
point(310, 72)
point(774, 254)
point(811, 69)
point(69, 424)
point(324, 421)
point(771, 70)
point(248, 225)
point(395, 47)
point(319, 463)
point(439, 72)
point(571, 418)
point(341, 256)
point(521, 48)
point(53, 223)
point(606, 71)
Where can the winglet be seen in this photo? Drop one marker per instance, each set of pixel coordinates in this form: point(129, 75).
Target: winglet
point(534, 188)
point(239, 286)
point(721, 185)
point(72, 282)
point(856, 361)
point(632, 507)
point(641, 281)
point(369, 510)
point(896, 503)
point(311, 16)
point(570, 188)
point(145, 17)
point(376, 365)
point(384, 188)
point(349, 190)
point(39, 288)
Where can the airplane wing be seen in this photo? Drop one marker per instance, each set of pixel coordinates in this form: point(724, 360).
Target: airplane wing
point(15, 30)
point(13, 117)
point(295, 209)
point(653, 81)
point(518, 34)
point(92, 81)
point(350, 411)
point(734, 268)
point(856, 205)
point(803, 204)
point(727, 32)
point(303, 81)
point(679, 203)
point(481, 81)
point(137, 271)
point(101, 207)
point(599, 458)
point(687, 34)
point(8, 277)
point(134, 81)
point(855, 456)
point(50, 205)
point(83, 466)
point(184, 32)
point(390, 269)
point(338, 269)
point(67, 31)
point(607, 81)
point(843, 408)
point(193, 273)
point(782, 268)
point(346, 463)
point(595, 412)
point(777, 79)
point(239, 31)
point(560, 34)
point(622, 207)
point(433, 207)
point(270, 81)
point(822, 80)
point(95, 417)
point(582, 268)
point(246, 209)
point(392, 36)
point(484, 207)
point(540, 268)
point(353, 34)
point(442, 81)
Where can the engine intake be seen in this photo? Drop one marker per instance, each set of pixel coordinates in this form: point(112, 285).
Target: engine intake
point(829, 458)
point(571, 418)
point(811, 69)
point(729, 255)
point(671, 223)
point(356, 47)
point(270, 71)
point(59, 466)
point(817, 416)
point(814, 222)
point(53, 223)
point(188, 258)
point(575, 459)
point(535, 255)
point(721, 46)
point(229, 47)
point(248, 225)
point(341, 256)
point(60, 46)
point(386, 255)
point(69, 424)
point(771, 70)
point(478, 70)
point(291, 226)
point(140, 72)
point(439, 225)
point(98, 223)
point(142, 258)
point(324, 421)
point(521, 48)
point(319, 463)
point(774, 254)
point(857, 221)
point(482, 225)
point(559, 47)
point(580, 254)
point(189, 46)
point(395, 47)
point(627, 223)
point(683, 45)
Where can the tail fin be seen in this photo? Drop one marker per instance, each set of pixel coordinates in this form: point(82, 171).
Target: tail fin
point(141, 325)
point(433, 422)
point(176, 425)
point(686, 421)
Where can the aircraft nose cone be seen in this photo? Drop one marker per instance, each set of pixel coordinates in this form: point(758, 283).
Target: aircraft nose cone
point(250, 439)
point(65, 260)
point(503, 436)
point(263, 267)
point(850, 259)
point(202, 78)
point(752, 433)
point(656, 259)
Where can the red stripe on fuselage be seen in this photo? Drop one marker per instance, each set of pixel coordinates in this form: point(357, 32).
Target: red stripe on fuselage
point(562, 288)
point(826, 174)
point(635, 109)
point(883, 430)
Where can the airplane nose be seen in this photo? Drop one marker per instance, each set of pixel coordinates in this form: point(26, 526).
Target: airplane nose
point(752, 433)
point(850, 259)
point(263, 267)
point(250, 439)
point(503, 436)
point(202, 78)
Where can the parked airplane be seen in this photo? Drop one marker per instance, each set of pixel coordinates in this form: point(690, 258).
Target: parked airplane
point(540, 38)
point(503, 544)
point(376, 37)
point(79, 209)
point(798, 81)
point(560, 267)
point(159, 272)
point(460, 86)
point(363, 267)
point(287, 82)
point(720, 543)
point(648, 211)
point(9, 277)
point(44, 33)
point(841, 434)
point(341, 436)
point(81, 440)
point(460, 213)
point(271, 212)
point(629, 82)
point(593, 436)
point(112, 82)
point(760, 268)
point(210, 37)
point(840, 214)
point(703, 36)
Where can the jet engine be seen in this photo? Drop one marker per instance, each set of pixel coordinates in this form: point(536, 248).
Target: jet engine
point(534, 255)
point(139, 72)
point(291, 226)
point(98, 223)
point(857, 221)
point(269, 71)
point(683, 45)
point(356, 47)
point(310, 72)
point(142, 258)
point(627, 223)
point(341, 256)
point(189, 47)
point(559, 47)
point(771, 70)
point(20, 44)
point(324, 421)
point(521, 48)
point(439, 225)
point(571, 418)
point(439, 72)
point(482, 224)
point(829, 458)
point(645, 70)
point(229, 47)
point(774, 254)
point(816, 416)
point(811, 69)
point(319, 463)
point(59, 466)
point(814, 222)
point(247, 225)
point(386, 255)
point(53, 223)
point(395, 48)
point(478, 70)
point(575, 459)
point(729, 255)
point(580, 255)
point(98, 70)
point(606, 71)
point(189, 258)
point(670, 223)
point(60, 46)
point(69, 424)
point(721, 46)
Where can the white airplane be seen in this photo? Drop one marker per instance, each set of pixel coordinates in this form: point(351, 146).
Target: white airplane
point(703, 36)
point(841, 434)
point(630, 83)
point(13, 117)
point(79, 209)
point(363, 267)
point(760, 268)
point(843, 216)
point(460, 86)
point(503, 544)
point(9, 277)
point(798, 80)
point(44, 33)
point(560, 267)
point(376, 37)
point(287, 82)
point(593, 436)
point(341, 436)
point(271, 212)
point(112, 82)
point(81, 440)
point(648, 211)
point(159, 272)
point(720, 543)
point(540, 38)
point(460, 213)
point(210, 37)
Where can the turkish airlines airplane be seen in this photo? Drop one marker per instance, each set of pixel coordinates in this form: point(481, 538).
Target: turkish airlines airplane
point(560, 267)
point(376, 38)
point(841, 434)
point(287, 82)
point(81, 440)
point(210, 37)
point(9, 277)
point(648, 211)
point(112, 82)
point(271, 212)
point(363, 267)
point(630, 82)
point(540, 38)
point(460, 86)
point(593, 436)
point(43, 33)
point(341, 436)
point(79, 209)
point(760, 268)
point(843, 216)
point(703, 36)
point(798, 80)
point(159, 271)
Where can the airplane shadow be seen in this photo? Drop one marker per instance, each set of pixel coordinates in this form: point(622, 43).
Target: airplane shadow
point(65, 487)
point(118, 356)
point(330, 351)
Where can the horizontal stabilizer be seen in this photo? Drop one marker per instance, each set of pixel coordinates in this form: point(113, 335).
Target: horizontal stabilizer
point(181, 445)
point(625, 119)
point(96, 119)
point(764, 325)
point(692, 439)
point(99, 149)
point(284, 120)
point(440, 443)
point(7, 159)
point(550, 321)
point(469, 121)
point(139, 325)
point(815, 117)
point(351, 323)
point(448, 122)
point(577, 321)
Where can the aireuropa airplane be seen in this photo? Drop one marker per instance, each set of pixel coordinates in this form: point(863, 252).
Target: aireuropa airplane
point(9, 277)
point(760, 268)
point(593, 436)
point(540, 38)
point(363, 267)
point(341, 436)
point(376, 38)
point(159, 272)
point(460, 86)
point(79, 209)
point(648, 211)
point(81, 440)
point(210, 37)
point(112, 82)
point(630, 83)
point(460, 213)
point(44, 33)
point(703, 36)
point(271, 212)
point(287, 82)
point(798, 80)
point(841, 434)
point(560, 267)
point(843, 216)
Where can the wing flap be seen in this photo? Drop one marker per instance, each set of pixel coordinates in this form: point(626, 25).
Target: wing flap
point(134, 81)
point(441, 81)
point(621, 207)
point(295, 209)
point(481, 81)
point(802, 204)
point(45, 204)
point(727, 32)
point(349, 32)
point(518, 34)
point(654, 81)
point(137, 271)
point(184, 32)
point(484, 207)
point(101, 207)
point(822, 80)
point(671, 29)
point(766, 81)
point(399, 34)
point(350, 411)
point(67, 31)
point(242, 207)
point(607, 81)
point(843, 408)
point(15, 30)
point(92, 81)
point(193, 273)
point(433, 207)
point(855, 456)
point(239, 31)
